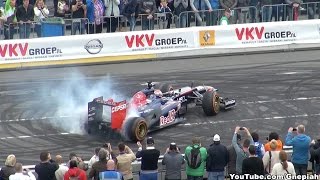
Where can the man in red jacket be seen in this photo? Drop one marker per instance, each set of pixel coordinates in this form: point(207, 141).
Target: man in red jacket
point(75, 172)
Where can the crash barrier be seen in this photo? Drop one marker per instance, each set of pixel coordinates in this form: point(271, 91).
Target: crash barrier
point(152, 44)
point(161, 168)
point(285, 12)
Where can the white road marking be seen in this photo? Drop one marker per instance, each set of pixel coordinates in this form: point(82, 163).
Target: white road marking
point(288, 73)
point(281, 100)
point(36, 135)
point(31, 119)
point(252, 119)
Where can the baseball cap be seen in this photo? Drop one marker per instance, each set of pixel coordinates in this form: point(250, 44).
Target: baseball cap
point(216, 137)
point(173, 146)
point(150, 140)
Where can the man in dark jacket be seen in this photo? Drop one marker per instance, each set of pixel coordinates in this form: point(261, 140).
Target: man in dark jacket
point(232, 155)
point(25, 17)
point(99, 166)
point(217, 159)
point(252, 165)
point(315, 156)
point(47, 168)
point(149, 160)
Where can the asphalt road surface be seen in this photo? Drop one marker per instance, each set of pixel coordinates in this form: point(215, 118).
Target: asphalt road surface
point(42, 109)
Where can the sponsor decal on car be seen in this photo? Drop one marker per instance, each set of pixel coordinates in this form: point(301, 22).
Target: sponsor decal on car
point(168, 119)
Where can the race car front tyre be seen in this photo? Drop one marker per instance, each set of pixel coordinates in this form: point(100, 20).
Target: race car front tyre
point(139, 129)
point(211, 103)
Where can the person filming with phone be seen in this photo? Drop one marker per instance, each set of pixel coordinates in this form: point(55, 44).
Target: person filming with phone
point(242, 152)
point(300, 143)
point(173, 160)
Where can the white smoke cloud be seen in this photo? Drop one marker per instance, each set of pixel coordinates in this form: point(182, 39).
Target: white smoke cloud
point(71, 98)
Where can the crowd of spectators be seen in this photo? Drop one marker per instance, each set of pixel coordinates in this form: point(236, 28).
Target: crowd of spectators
point(92, 16)
point(246, 155)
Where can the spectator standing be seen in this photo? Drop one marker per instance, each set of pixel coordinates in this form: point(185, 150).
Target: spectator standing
point(19, 174)
point(259, 146)
point(173, 160)
point(95, 12)
point(61, 8)
point(253, 164)
point(100, 165)
point(62, 168)
point(217, 159)
point(300, 145)
point(254, 10)
point(9, 167)
point(41, 12)
point(242, 11)
point(9, 19)
point(94, 158)
point(131, 12)
point(110, 173)
point(275, 136)
point(213, 16)
point(293, 9)
point(75, 172)
point(284, 166)
point(230, 5)
point(242, 152)
point(199, 5)
point(25, 17)
point(181, 7)
point(195, 156)
point(266, 9)
point(312, 7)
point(164, 13)
point(124, 161)
point(148, 9)
point(149, 160)
point(79, 12)
point(113, 14)
point(315, 156)
point(233, 156)
point(47, 167)
point(271, 157)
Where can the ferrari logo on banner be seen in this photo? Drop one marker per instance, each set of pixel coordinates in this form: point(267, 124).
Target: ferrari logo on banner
point(207, 38)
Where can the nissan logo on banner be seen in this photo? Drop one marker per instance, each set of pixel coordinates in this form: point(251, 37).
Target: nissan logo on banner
point(94, 46)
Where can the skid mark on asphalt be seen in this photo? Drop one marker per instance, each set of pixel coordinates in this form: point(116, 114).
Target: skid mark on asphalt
point(32, 136)
point(251, 119)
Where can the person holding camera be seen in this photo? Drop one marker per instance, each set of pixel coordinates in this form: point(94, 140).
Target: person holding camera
point(242, 152)
point(124, 161)
point(300, 148)
point(79, 13)
point(41, 12)
point(173, 160)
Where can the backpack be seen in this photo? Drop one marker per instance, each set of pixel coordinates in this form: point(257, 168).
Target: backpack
point(194, 160)
point(258, 150)
point(77, 177)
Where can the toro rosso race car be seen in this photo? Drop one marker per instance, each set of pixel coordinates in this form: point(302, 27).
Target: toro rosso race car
point(152, 109)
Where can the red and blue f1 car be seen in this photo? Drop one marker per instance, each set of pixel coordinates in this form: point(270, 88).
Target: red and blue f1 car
point(152, 109)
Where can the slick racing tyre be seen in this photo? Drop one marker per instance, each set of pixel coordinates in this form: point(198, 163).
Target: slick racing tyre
point(138, 129)
point(211, 103)
point(165, 87)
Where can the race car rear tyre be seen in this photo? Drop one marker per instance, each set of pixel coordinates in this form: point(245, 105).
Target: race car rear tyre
point(211, 103)
point(139, 129)
point(165, 87)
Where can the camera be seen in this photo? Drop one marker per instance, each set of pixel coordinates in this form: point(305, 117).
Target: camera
point(241, 128)
point(294, 129)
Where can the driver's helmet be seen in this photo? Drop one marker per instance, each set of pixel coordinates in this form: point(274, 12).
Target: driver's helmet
point(158, 93)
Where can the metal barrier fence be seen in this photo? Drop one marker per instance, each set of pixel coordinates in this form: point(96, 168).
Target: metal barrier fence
point(250, 14)
point(286, 12)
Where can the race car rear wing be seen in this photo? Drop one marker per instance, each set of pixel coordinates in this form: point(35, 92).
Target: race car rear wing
point(118, 111)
